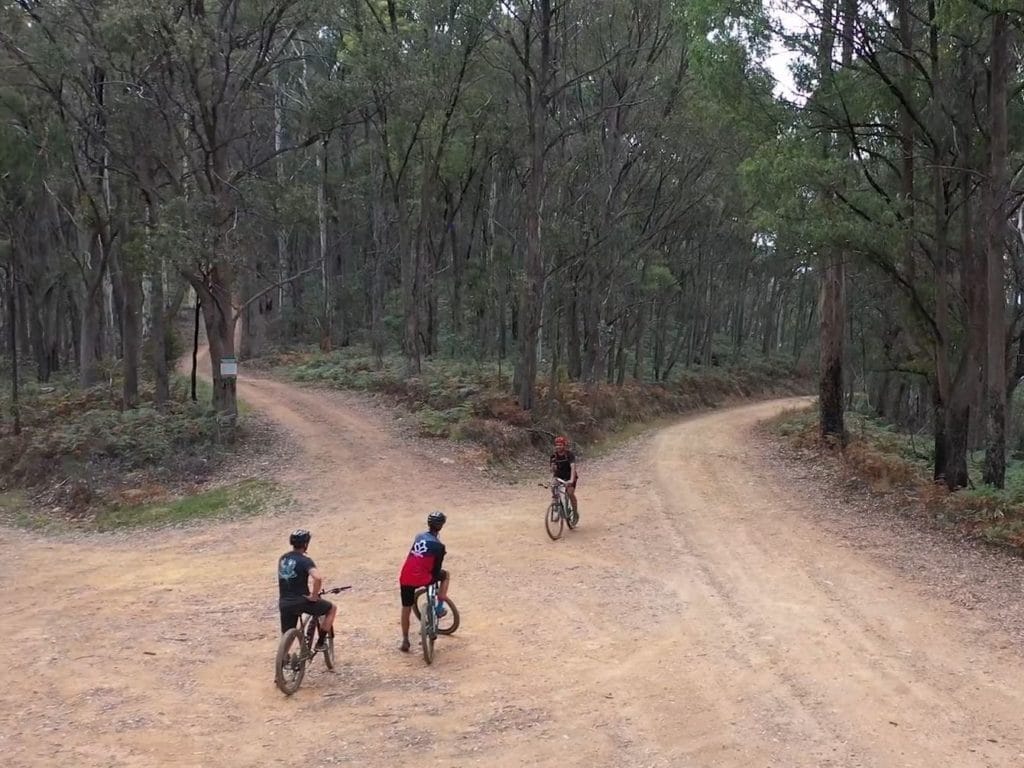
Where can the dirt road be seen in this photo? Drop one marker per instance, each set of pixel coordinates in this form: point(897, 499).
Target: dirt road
point(697, 618)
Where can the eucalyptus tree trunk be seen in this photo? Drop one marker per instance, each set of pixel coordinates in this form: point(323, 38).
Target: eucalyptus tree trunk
point(12, 338)
point(327, 303)
point(995, 452)
point(129, 295)
point(532, 293)
point(90, 345)
point(832, 316)
point(158, 337)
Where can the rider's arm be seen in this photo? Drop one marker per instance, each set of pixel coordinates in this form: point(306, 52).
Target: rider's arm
point(438, 560)
point(572, 476)
point(315, 583)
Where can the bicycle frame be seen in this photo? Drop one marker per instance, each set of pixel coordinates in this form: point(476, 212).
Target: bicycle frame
point(309, 625)
point(559, 495)
point(431, 606)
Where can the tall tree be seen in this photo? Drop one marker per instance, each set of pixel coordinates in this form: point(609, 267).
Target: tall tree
point(996, 228)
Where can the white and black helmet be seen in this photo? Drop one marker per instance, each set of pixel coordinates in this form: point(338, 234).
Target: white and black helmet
point(436, 519)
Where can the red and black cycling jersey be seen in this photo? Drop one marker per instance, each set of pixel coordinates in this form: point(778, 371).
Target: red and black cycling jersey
point(562, 465)
point(423, 564)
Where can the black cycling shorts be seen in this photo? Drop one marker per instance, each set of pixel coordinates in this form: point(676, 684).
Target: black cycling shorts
point(292, 610)
point(409, 593)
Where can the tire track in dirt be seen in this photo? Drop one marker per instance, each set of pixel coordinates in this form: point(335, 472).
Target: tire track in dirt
point(697, 618)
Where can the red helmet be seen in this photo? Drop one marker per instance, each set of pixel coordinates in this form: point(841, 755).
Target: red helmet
point(561, 441)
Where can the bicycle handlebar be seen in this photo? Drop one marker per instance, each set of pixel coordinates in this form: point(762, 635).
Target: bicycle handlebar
point(334, 590)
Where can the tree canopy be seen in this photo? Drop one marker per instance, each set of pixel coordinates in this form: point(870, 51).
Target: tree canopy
point(597, 190)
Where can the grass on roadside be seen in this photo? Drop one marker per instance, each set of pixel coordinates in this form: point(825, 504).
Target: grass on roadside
point(242, 499)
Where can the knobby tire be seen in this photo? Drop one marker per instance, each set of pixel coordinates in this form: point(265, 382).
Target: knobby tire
point(449, 623)
point(329, 651)
point(292, 656)
point(427, 637)
point(554, 521)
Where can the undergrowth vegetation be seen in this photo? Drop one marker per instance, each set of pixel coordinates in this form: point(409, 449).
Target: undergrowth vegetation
point(892, 461)
point(80, 454)
point(470, 401)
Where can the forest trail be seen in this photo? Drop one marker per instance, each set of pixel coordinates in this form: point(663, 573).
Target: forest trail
point(698, 617)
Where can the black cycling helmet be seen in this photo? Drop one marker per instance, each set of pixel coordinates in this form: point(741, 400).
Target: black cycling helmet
point(436, 519)
point(300, 537)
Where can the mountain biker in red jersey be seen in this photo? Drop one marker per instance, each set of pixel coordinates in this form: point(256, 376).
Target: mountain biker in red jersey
point(563, 466)
point(423, 567)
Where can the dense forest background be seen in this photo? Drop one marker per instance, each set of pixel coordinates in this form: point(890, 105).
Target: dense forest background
point(595, 191)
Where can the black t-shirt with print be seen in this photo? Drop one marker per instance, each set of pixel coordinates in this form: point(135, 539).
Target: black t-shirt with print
point(563, 465)
point(293, 576)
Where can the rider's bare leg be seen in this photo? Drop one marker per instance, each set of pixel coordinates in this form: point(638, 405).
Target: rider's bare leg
point(327, 621)
point(570, 491)
point(406, 610)
point(442, 591)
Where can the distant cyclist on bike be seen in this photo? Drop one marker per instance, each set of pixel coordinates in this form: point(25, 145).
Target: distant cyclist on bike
point(563, 467)
point(299, 583)
point(423, 567)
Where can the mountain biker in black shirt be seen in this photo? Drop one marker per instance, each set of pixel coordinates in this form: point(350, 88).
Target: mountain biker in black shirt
point(298, 584)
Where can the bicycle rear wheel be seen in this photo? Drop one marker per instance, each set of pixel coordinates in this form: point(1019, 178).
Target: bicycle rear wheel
point(291, 662)
point(554, 521)
point(447, 624)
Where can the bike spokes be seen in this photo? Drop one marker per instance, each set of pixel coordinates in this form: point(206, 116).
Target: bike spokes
point(553, 520)
point(291, 662)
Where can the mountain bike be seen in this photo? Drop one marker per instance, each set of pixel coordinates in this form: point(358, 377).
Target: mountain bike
point(559, 513)
point(431, 625)
point(298, 648)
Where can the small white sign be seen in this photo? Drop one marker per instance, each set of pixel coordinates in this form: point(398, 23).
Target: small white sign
point(229, 367)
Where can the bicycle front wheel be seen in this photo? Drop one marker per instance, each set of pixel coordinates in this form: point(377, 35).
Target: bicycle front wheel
point(427, 635)
point(329, 651)
point(291, 662)
point(554, 521)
